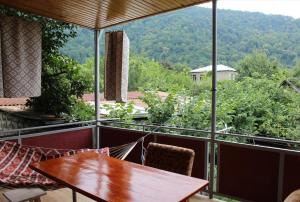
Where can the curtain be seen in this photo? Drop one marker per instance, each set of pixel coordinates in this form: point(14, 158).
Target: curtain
point(116, 66)
point(21, 57)
point(1, 80)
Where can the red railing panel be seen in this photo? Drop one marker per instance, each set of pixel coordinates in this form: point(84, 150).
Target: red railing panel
point(291, 177)
point(111, 137)
point(248, 173)
point(78, 139)
point(114, 137)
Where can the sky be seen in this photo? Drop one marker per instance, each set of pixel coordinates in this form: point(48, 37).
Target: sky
point(278, 7)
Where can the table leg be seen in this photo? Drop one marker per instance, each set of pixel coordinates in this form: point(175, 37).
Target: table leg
point(74, 196)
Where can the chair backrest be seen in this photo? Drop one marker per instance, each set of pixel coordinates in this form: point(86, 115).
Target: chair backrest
point(293, 197)
point(170, 158)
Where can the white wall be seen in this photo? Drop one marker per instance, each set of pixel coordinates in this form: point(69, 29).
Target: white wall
point(221, 75)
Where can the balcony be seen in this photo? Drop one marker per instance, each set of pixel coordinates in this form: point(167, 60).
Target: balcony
point(252, 169)
point(246, 167)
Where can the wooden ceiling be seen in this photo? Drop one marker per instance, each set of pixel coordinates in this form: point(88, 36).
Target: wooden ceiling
point(97, 14)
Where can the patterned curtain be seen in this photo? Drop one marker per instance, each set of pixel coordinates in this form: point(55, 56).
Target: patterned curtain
point(116, 66)
point(21, 57)
point(1, 80)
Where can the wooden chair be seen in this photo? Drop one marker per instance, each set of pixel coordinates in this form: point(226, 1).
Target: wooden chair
point(293, 197)
point(170, 158)
point(24, 194)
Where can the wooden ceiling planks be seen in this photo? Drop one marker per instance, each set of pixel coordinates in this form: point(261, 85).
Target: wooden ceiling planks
point(97, 14)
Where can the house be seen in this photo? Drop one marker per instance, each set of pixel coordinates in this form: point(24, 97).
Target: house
point(223, 73)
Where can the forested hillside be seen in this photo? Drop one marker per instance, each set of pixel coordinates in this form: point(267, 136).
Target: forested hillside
point(185, 37)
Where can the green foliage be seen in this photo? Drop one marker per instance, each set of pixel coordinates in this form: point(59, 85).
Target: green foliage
point(81, 48)
point(254, 104)
point(122, 111)
point(147, 74)
point(295, 75)
point(259, 106)
point(81, 112)
point(185, 37)
point(88, 69)
point(63, 83)
point(258, 65)
point(159, 111)
point(194, 112)
point(296, 70)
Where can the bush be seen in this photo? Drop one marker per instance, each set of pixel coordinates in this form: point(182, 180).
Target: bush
point(122, 111)
point(81, 112)
point(159, 111)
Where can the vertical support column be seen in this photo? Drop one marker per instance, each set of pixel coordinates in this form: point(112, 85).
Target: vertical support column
point(213, 98)
point(97, 86)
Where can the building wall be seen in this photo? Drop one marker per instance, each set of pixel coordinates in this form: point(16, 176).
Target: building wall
point(226, 75)
point(221, 75)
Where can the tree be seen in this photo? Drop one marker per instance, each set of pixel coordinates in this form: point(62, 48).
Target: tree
point(254, 104)
point(63, 84)
point(122, 111)
point(295, 75)
point(88, 69)
point(159, 111)
point(147, 74)
point(258, 65)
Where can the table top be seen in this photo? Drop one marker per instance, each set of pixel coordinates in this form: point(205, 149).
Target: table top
point(104, 178)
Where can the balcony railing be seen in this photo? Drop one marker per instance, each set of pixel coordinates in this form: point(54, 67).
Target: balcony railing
point(247, 167)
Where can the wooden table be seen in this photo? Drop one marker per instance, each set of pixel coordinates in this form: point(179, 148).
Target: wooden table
point(104, 178)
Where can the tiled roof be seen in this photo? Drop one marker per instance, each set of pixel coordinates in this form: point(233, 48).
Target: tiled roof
point(12, 101)
point(132, 96)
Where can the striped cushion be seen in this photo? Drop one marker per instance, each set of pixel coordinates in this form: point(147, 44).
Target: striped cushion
point(15, 160)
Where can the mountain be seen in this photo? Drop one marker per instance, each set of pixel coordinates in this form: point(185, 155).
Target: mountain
point(185, 37)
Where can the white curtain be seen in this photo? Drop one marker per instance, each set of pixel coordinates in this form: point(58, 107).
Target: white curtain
point(21, 57)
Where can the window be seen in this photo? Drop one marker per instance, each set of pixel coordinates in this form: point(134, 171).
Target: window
point(194, 77)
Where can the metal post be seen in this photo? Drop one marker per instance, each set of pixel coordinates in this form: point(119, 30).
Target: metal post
point(74, 196)
point(213, 98)
point(97, 86)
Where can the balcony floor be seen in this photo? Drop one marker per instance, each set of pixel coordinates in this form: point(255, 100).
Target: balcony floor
point(65, 195)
